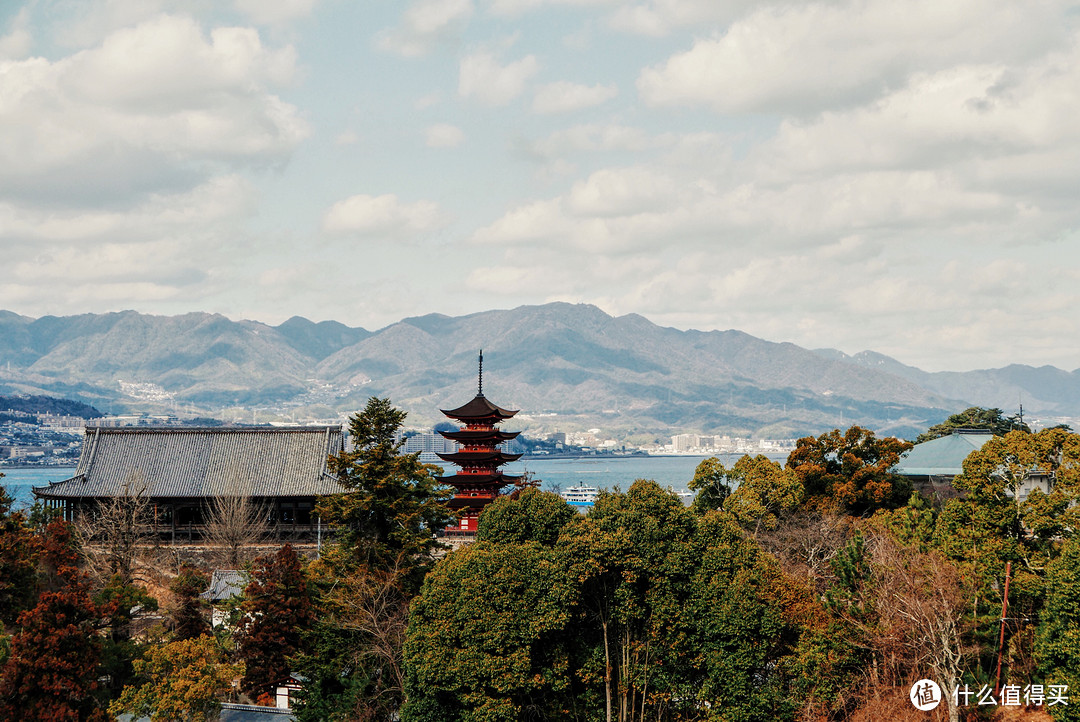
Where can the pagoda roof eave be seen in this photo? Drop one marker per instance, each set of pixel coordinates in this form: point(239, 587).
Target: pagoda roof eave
point(479, 435)
point(478, 479)
point(476, 457)
point(479, 408)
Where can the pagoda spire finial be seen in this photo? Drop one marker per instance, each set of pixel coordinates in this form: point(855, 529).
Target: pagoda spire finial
point(480, 378)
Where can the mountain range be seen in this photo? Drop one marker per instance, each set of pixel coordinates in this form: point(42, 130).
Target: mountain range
point(566, 366)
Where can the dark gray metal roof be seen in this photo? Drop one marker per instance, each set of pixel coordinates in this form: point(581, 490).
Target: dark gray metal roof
point(203, 462)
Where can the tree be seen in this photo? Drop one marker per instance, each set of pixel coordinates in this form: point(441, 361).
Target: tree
point(528, 515)
point(182, 680)
point(277, 610)
point(118, 526)
point(1058, 638)
point(18, 569)
point(393, 504)
point(712, 483)
point(52, 669)
point(386, 521)
point(975, 417)
point(485, 637)
point(903, 609)
point(849, 471)
point(188, 619)
point(352, 662)
point(235, 523)
point(765, 490)
point(643, 610)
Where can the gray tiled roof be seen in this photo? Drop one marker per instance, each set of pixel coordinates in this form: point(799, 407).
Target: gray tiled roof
point(203, 462)
point(225, 584)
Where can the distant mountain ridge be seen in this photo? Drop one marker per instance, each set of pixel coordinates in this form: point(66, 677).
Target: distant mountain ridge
point(565, 365)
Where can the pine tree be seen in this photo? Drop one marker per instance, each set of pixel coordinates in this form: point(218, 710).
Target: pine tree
point(394, 505)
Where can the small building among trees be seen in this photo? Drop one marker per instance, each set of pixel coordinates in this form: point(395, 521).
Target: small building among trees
point(192, 477)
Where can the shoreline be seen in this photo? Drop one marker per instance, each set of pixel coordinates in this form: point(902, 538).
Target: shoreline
point(37, 466)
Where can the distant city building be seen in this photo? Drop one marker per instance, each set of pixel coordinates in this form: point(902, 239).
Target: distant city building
point(429, 443)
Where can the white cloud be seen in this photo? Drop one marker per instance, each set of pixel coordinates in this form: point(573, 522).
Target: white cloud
point(802, 58)
point(482, 77)
point(17, 42)
point(443, 135)
point(169, 246)
point(152, 108)
point(425, 24)
point(660, 17)
point(564, 96)
point(383, 216)
point(275, 12)
point(619, 192)
point(517, 7)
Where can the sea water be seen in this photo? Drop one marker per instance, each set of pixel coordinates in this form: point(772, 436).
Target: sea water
point(19, 482)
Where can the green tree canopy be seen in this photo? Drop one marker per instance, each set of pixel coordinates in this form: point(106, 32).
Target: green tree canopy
point(975, 417)
point(524, 516)
point(712, 483)
point(1058, 637)
point(765, 490)
point(486, 636)
point(642, 610)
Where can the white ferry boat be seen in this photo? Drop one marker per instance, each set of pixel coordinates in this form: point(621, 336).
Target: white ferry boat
point(580, 495)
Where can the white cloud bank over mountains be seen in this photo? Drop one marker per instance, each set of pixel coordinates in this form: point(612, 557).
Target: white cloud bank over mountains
point(864, 174)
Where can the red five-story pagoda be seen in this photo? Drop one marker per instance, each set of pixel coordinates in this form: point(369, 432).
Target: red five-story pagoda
point(479, 480)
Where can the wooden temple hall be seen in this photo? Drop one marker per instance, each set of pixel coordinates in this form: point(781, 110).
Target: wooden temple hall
point(182, 471)
point(479, 457)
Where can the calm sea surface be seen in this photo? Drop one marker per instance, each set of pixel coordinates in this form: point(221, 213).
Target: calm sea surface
point(606, 473)
point(18, 481)
point(620, 472)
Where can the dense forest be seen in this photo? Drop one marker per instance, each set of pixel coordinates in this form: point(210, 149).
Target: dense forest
point(48, 405)
point(819, 589)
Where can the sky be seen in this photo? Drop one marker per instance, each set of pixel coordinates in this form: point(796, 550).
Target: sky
point(866, 174)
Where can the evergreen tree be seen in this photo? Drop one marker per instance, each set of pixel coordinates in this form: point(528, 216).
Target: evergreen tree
point(393, 504)
point(976, 417)
point(386, 523)
point(643, 610)
point(524, 516)
point(277, 611)
point(1058, 638)
point(712, 483)
point(189, 621)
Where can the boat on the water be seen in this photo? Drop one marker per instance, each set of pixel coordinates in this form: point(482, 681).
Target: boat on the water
point(580, 495)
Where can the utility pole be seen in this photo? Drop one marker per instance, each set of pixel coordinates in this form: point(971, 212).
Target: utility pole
point(1001, 639)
